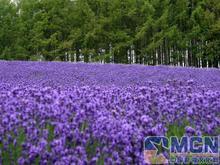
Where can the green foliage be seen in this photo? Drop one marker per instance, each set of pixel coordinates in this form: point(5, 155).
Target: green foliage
point(34, 58)
point(177, 129)
point(91, 147)
point(13, 151)
point(159, 32)
point(51, 135)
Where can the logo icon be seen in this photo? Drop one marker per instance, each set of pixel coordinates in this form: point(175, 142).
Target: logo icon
point(156, 150)
point(184, 150)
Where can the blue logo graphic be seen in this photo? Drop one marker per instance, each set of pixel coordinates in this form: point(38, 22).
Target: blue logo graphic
point(196, 150)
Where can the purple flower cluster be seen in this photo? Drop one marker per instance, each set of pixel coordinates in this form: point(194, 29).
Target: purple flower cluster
point(62, 113)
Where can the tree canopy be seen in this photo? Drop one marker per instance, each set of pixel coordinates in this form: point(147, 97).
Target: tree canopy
point(151, 32)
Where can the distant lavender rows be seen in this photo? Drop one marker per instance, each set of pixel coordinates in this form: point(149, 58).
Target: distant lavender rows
point(71, 74)
point(62, 113)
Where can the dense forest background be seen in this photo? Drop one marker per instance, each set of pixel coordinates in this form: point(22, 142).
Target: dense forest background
point(151, 32)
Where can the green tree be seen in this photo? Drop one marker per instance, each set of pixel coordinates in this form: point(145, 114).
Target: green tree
point(170, 32)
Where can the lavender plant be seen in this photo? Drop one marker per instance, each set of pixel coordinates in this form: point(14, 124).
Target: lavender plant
point(63, 113)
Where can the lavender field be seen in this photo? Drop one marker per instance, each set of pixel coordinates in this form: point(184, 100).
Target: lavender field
point(63, 113)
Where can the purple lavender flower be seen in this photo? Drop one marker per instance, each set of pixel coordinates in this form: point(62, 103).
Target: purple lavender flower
point(89, 113)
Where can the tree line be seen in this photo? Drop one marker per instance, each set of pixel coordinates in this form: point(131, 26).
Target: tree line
point(151, 32)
